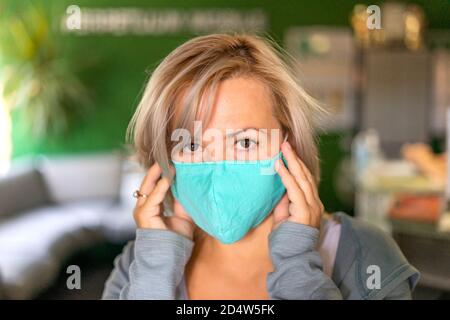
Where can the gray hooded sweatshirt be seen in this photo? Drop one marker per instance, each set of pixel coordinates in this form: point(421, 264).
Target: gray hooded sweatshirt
point(368, 265)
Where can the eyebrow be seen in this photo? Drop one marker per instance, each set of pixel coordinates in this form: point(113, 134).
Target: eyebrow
point(232, 134)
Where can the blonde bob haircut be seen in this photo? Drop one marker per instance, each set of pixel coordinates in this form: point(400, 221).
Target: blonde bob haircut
point(195, 69)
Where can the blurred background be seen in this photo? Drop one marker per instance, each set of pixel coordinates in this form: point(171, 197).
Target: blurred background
point(71, 75)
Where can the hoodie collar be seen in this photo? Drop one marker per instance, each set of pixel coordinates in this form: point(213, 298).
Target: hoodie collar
point(348, 249)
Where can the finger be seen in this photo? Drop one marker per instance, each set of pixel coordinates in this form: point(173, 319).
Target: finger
point(306, 171)
point(149, 181)
point(318, 205)
point(158, 194)
point(310, 179)
point(294, 192)
point(295, 216)
point(179, 211)
point(281, 210)
point(297, 171)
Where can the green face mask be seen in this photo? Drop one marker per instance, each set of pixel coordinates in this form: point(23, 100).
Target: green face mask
point(228, 198)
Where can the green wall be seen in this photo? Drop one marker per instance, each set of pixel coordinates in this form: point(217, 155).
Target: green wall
point(114, 68)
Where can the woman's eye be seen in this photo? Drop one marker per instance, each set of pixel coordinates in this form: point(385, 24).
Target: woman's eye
point(245, 144)
point(191, 147)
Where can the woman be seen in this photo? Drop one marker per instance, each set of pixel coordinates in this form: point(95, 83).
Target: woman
point(213, 221)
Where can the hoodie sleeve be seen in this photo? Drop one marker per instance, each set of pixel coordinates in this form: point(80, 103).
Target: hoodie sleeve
point(151, 267)
point(298, 273)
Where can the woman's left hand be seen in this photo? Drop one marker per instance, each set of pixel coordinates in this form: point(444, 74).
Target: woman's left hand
point(301, 203)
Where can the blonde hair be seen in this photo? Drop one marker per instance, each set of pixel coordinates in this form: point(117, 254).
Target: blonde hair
point(196, 68)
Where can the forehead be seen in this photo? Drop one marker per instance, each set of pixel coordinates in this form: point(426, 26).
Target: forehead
point(237, 103)
point(242, 103)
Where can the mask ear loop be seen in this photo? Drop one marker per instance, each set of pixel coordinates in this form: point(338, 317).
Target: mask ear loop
point(286, 137)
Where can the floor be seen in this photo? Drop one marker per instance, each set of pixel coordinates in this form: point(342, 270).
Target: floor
point(96, 264)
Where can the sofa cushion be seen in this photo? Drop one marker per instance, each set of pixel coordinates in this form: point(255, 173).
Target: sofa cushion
point(117, 224)
point(22, 189)
point(82, 177)
point(36, 243)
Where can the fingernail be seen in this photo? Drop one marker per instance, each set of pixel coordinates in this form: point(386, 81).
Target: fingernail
point(288, 145)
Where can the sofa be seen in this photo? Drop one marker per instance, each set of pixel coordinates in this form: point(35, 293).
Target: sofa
point(52, 206)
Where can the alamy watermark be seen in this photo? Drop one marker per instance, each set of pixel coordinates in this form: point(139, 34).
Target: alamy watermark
point(373, 281)
point(74, 279)
point(374, 17)
point(156, 21)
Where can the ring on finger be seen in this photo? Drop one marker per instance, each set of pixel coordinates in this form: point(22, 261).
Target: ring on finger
point(138, 194)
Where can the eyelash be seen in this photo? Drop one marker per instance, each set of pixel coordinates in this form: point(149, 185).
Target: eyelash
point(246, 138)
point(236, 143)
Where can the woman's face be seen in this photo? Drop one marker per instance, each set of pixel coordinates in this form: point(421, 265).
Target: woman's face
point(242, 126)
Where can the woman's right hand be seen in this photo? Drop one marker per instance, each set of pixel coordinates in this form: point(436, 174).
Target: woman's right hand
point(148, 213)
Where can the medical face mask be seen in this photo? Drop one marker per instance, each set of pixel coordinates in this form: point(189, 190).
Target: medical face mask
point(228, 198)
